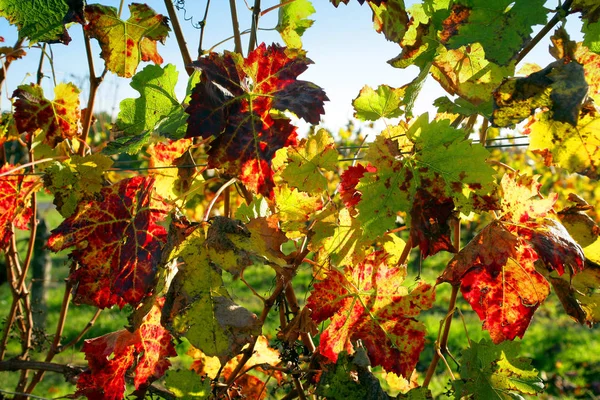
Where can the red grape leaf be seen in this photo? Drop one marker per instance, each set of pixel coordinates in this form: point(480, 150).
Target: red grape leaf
point(349, 179)
point(125, 43)
point(498, 278)
point(555, 246)
point(112, 355)
point(236, 103)
point(429, 218)
point(15, 199)
point(367, 302)
point(54, 120)
point(117, 242)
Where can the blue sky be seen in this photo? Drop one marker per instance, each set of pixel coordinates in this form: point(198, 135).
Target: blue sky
point(347, 52)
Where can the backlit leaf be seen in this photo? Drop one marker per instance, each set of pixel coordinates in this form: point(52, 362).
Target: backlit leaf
point(122, 42)
point(590, 13)
point(385, 102)
point(112, 355)
point(309, 161)
point(117, 243)
point(186, 384)
point(293, 22)
point(440, 162)
point(560, 87)
point(38, 21)
point(157, 102)
point(521, 199)
point(74, 179)
point(495, 371)
point(575, 148)
point(368, 302)
point(466, 72)
point(390, 18)
point(239, 103)
point(53, 120)
point(198, 305)
point(15, 201)
point(171, 182)
point(591, 70)
point(501, 26)
point(498, 278)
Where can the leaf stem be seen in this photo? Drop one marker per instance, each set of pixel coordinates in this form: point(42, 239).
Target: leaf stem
point(185, 54)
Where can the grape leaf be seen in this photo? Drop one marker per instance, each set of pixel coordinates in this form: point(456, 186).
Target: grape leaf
point(236, 102)
point(349, 179)
point(15, 201)
point(367, 302)
point(385, 102)
point(501, 27)
point(575, 148)
point(112, 355)
point(590, 13)
point(198, 305)
point(310, 161)
point(495, 371)
point(295, 209)
point(555, 246)
point(582, 227)
point(38, 21)
point(466, 72)
point(74, 179)
point(497, 277)
point(521, 200)
point(293, 22)
point(54, 121)
point(429, 223)
point(337, 242)
point(156, 103)
point(579, 293)
point(591, 70)
point(117, 242)
point(186, 384)
point(348, 379)
point(390, 18)
point(560, 86)
point(434, 157)
point(125, 43)
point(171, 182)
point(250, 386)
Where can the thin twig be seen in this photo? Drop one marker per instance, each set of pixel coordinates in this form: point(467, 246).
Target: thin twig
point(185, 53)
point(237, 38)
point(202, 27)
point(254, 28)
point(214, 200)
point(564, 9)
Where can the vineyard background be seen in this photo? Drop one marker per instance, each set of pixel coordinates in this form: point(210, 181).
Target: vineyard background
point(190, 228)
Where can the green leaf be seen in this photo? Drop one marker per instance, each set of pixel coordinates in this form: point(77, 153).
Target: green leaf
point(75, 179)
point(590, 13)
point(186, 384)
point(491, 371)
point(560, 86)
point(39, 21)
point(125, 43)
point(385, 102)
point(347, 379)
point(434, 157)
point(198, 305)
point(157, 100)
point(575, 148)
point(293, 21)
point(308, 162)
point(466, 72)
point(500, 26)
point(390, 18)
